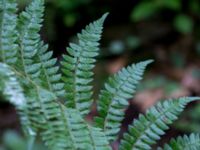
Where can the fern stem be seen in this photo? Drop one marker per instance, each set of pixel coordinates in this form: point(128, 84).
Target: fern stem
point(31, 142)
point(67, 125)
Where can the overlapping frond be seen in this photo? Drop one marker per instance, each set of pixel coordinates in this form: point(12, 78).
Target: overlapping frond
point(8, 33)
point(83, 135)
point(99, 139)
point(113, 100)
point(54, 132)
point(10, 87)
point(29, 79)
point(60, 128)
point(49, 76)
point(66, 129)
point(78, 65)
point(191, 142)
point(28, 26)
point(12, 91)
point(37, 61)
point(148, 128)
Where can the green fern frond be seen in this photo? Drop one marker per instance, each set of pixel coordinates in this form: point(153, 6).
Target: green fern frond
point(76, 133)
point(37, 62)
point(10, 87)
point(99, 139)
point(49, 76)
point(12, 91)
point(54, 132)
point(60, 128)
point(148, 128)
point(29, 24)
point(78, 65)
point(191, 142)
point(8, 33)
point(113, 100)
point(30, 80)
point(85, 136)
point(43, 109)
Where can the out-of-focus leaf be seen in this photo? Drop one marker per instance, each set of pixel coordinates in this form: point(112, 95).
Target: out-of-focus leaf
point(177, 59)
point(170, 4)
point(197, 48)
point(196, 73)
point(194, 6)
point(69, 5)
point(133, 42)
point(70, 19)
point(117, 47)
point(23, 3)
point(143, 11)
point(183, 23)
point(13, 141)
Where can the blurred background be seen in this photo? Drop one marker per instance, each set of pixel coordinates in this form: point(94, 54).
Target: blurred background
point(167, 31)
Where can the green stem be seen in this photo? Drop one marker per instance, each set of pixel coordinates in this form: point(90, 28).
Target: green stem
point(31, 142)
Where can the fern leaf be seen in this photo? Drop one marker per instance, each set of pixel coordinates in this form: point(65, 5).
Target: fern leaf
point(39, 108)
point(53, 130)
point(8, 33)
point(148, 128)
point(98, 139)
point(28, 26)
point(113, 99)
point(78, 65)
point(61, 128)
point(37, 62)
point(66, 129)
point(191, 142)
point(13, 92)
point(49, 76)
point(85, 137)
point(47, 116)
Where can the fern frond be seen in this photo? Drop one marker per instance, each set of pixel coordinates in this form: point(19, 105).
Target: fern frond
point(37, 62)
point(68, 130)
point(54, 132)
point(29, 24)
point(113, 100)
point(148, 128)
point(49, 76)
point(61, 128)
point(78, 65)
point(99, 139)
point(12, 91)
point(8, 33)
point(191, 142)
point(48, 116)
point(85, 136)
point(10, 87)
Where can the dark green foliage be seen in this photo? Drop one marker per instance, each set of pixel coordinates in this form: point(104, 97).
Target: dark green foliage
point(182, 22)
